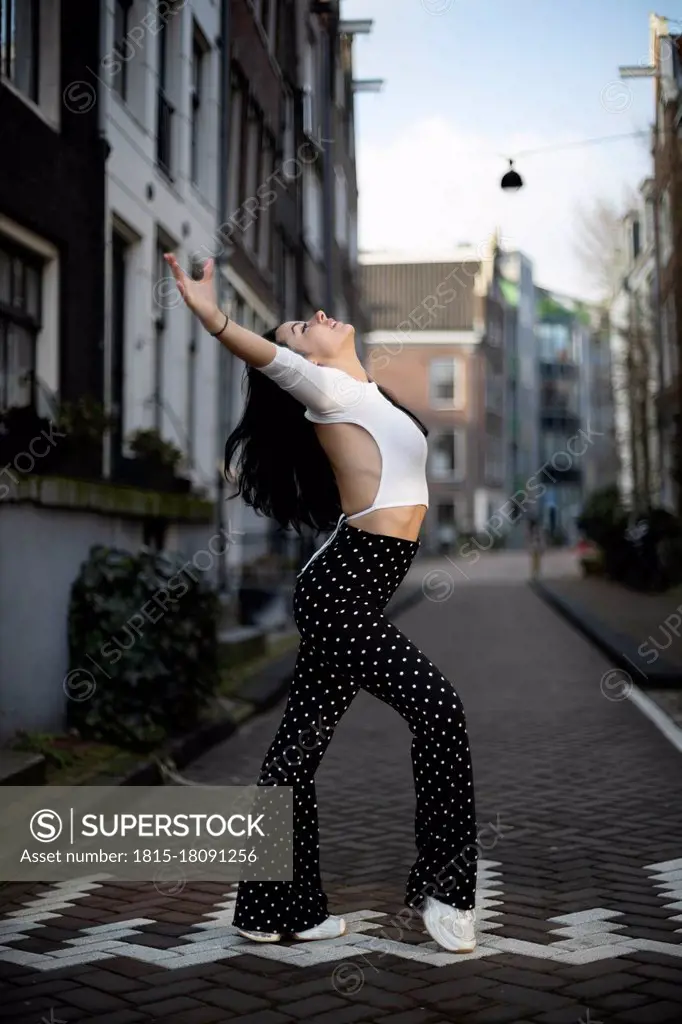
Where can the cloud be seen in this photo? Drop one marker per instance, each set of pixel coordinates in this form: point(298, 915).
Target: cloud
point(433, 187)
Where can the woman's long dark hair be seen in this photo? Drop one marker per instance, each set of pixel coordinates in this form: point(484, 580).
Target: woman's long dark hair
point(282, 470)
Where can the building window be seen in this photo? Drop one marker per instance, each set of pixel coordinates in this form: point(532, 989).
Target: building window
point(556, 343)
point(448, 456)
point(268, 15)
point(649, 222)
point(494, 399)
point(494, 461)
point(191, 412)
point(234, 155)
point(288, 132)
point(636, 247)
point(289, 283)
point(312, 212)
point(254, 135)
point(445, 512)
point(165, 109)
point(341, 207)
point(665, 227)
point(671, 334)
point(265, 219)
point(446, 524)
point(445, 383)
point(340, 85)
point(310, 90)
point(121, 45)
point(353, 238)
point(200, 58)
point(163, 285)
point(20, 323)
point(20, 44)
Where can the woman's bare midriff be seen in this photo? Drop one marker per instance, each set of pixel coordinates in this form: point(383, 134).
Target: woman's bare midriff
point(356, 462)
point(404, 521)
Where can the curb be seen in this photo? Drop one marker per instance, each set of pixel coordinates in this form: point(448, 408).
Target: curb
point(621, 650)
point(657, 716)
point(262, 692)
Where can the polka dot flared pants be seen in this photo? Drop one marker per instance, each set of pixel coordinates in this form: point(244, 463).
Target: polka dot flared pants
point(348, 643)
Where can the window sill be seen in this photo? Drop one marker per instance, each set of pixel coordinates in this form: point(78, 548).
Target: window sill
point(108, 499)
point(447, 406)
point(166, 177)
point(54, 124)
point(452, 479)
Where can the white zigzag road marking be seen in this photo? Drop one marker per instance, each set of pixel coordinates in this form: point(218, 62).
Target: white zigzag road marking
point(668, 875)
point(584, 937)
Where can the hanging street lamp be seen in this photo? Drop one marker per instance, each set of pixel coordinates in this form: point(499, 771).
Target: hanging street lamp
point(512, 180)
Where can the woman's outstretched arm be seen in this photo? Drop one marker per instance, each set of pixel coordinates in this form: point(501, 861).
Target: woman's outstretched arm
point(200, 297)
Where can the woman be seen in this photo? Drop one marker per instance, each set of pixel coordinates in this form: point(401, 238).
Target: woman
point(316, 438)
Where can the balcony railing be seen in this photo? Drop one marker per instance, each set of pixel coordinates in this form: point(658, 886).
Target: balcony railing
point(164, 134)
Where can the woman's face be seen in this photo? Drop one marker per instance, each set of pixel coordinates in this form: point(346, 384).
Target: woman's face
point(318, 338)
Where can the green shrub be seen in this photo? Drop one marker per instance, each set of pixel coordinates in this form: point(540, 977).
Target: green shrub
point(603, 517)
point(148, 623)
point(148, 444)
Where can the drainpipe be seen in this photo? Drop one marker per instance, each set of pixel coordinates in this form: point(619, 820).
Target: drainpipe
point(223, 167)
point(329, 24)
point(103, 126)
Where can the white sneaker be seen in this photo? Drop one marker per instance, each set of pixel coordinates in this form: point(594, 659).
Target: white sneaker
point(260, 936)
point(452, 929)
point(332, 928)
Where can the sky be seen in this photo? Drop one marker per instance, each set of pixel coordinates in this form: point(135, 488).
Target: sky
point(469, 84)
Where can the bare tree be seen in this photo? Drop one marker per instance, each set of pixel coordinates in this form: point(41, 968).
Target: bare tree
point(597, 244)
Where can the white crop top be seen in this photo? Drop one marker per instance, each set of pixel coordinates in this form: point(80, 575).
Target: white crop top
point(333, 396)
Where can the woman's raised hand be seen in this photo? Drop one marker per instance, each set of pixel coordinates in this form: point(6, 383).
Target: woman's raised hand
point(199, 296)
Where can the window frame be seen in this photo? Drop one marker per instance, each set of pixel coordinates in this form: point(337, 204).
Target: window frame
point(162, 245)
point(458, 472)
point(201, 50)
point(457, 384)
point(8, 60)
point(20, 316)
point(120, 250)
point(124, 7)
point(164, 106)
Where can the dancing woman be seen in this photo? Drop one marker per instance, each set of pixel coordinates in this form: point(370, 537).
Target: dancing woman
point(317, 438)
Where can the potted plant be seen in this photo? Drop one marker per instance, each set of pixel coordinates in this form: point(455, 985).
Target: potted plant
point(155, 462)
point(19, 426)
point(84, 422)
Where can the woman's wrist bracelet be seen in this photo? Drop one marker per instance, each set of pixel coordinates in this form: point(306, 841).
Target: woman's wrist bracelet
point(216, 334)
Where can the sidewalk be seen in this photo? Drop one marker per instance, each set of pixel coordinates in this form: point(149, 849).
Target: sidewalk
point(641, 632)
point(579, 806)
point(651, 619)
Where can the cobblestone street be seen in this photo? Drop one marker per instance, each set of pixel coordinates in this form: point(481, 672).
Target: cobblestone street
point(579, 806)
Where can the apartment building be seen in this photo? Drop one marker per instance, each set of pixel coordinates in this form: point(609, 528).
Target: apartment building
point(52, 192)
point(433, 342)
point(513, 284)
point(667, 190)
point(161, 108)
point(636, 369)
point(290, 224)
point(601, 460)
point(576, 422)
point(137, 128)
